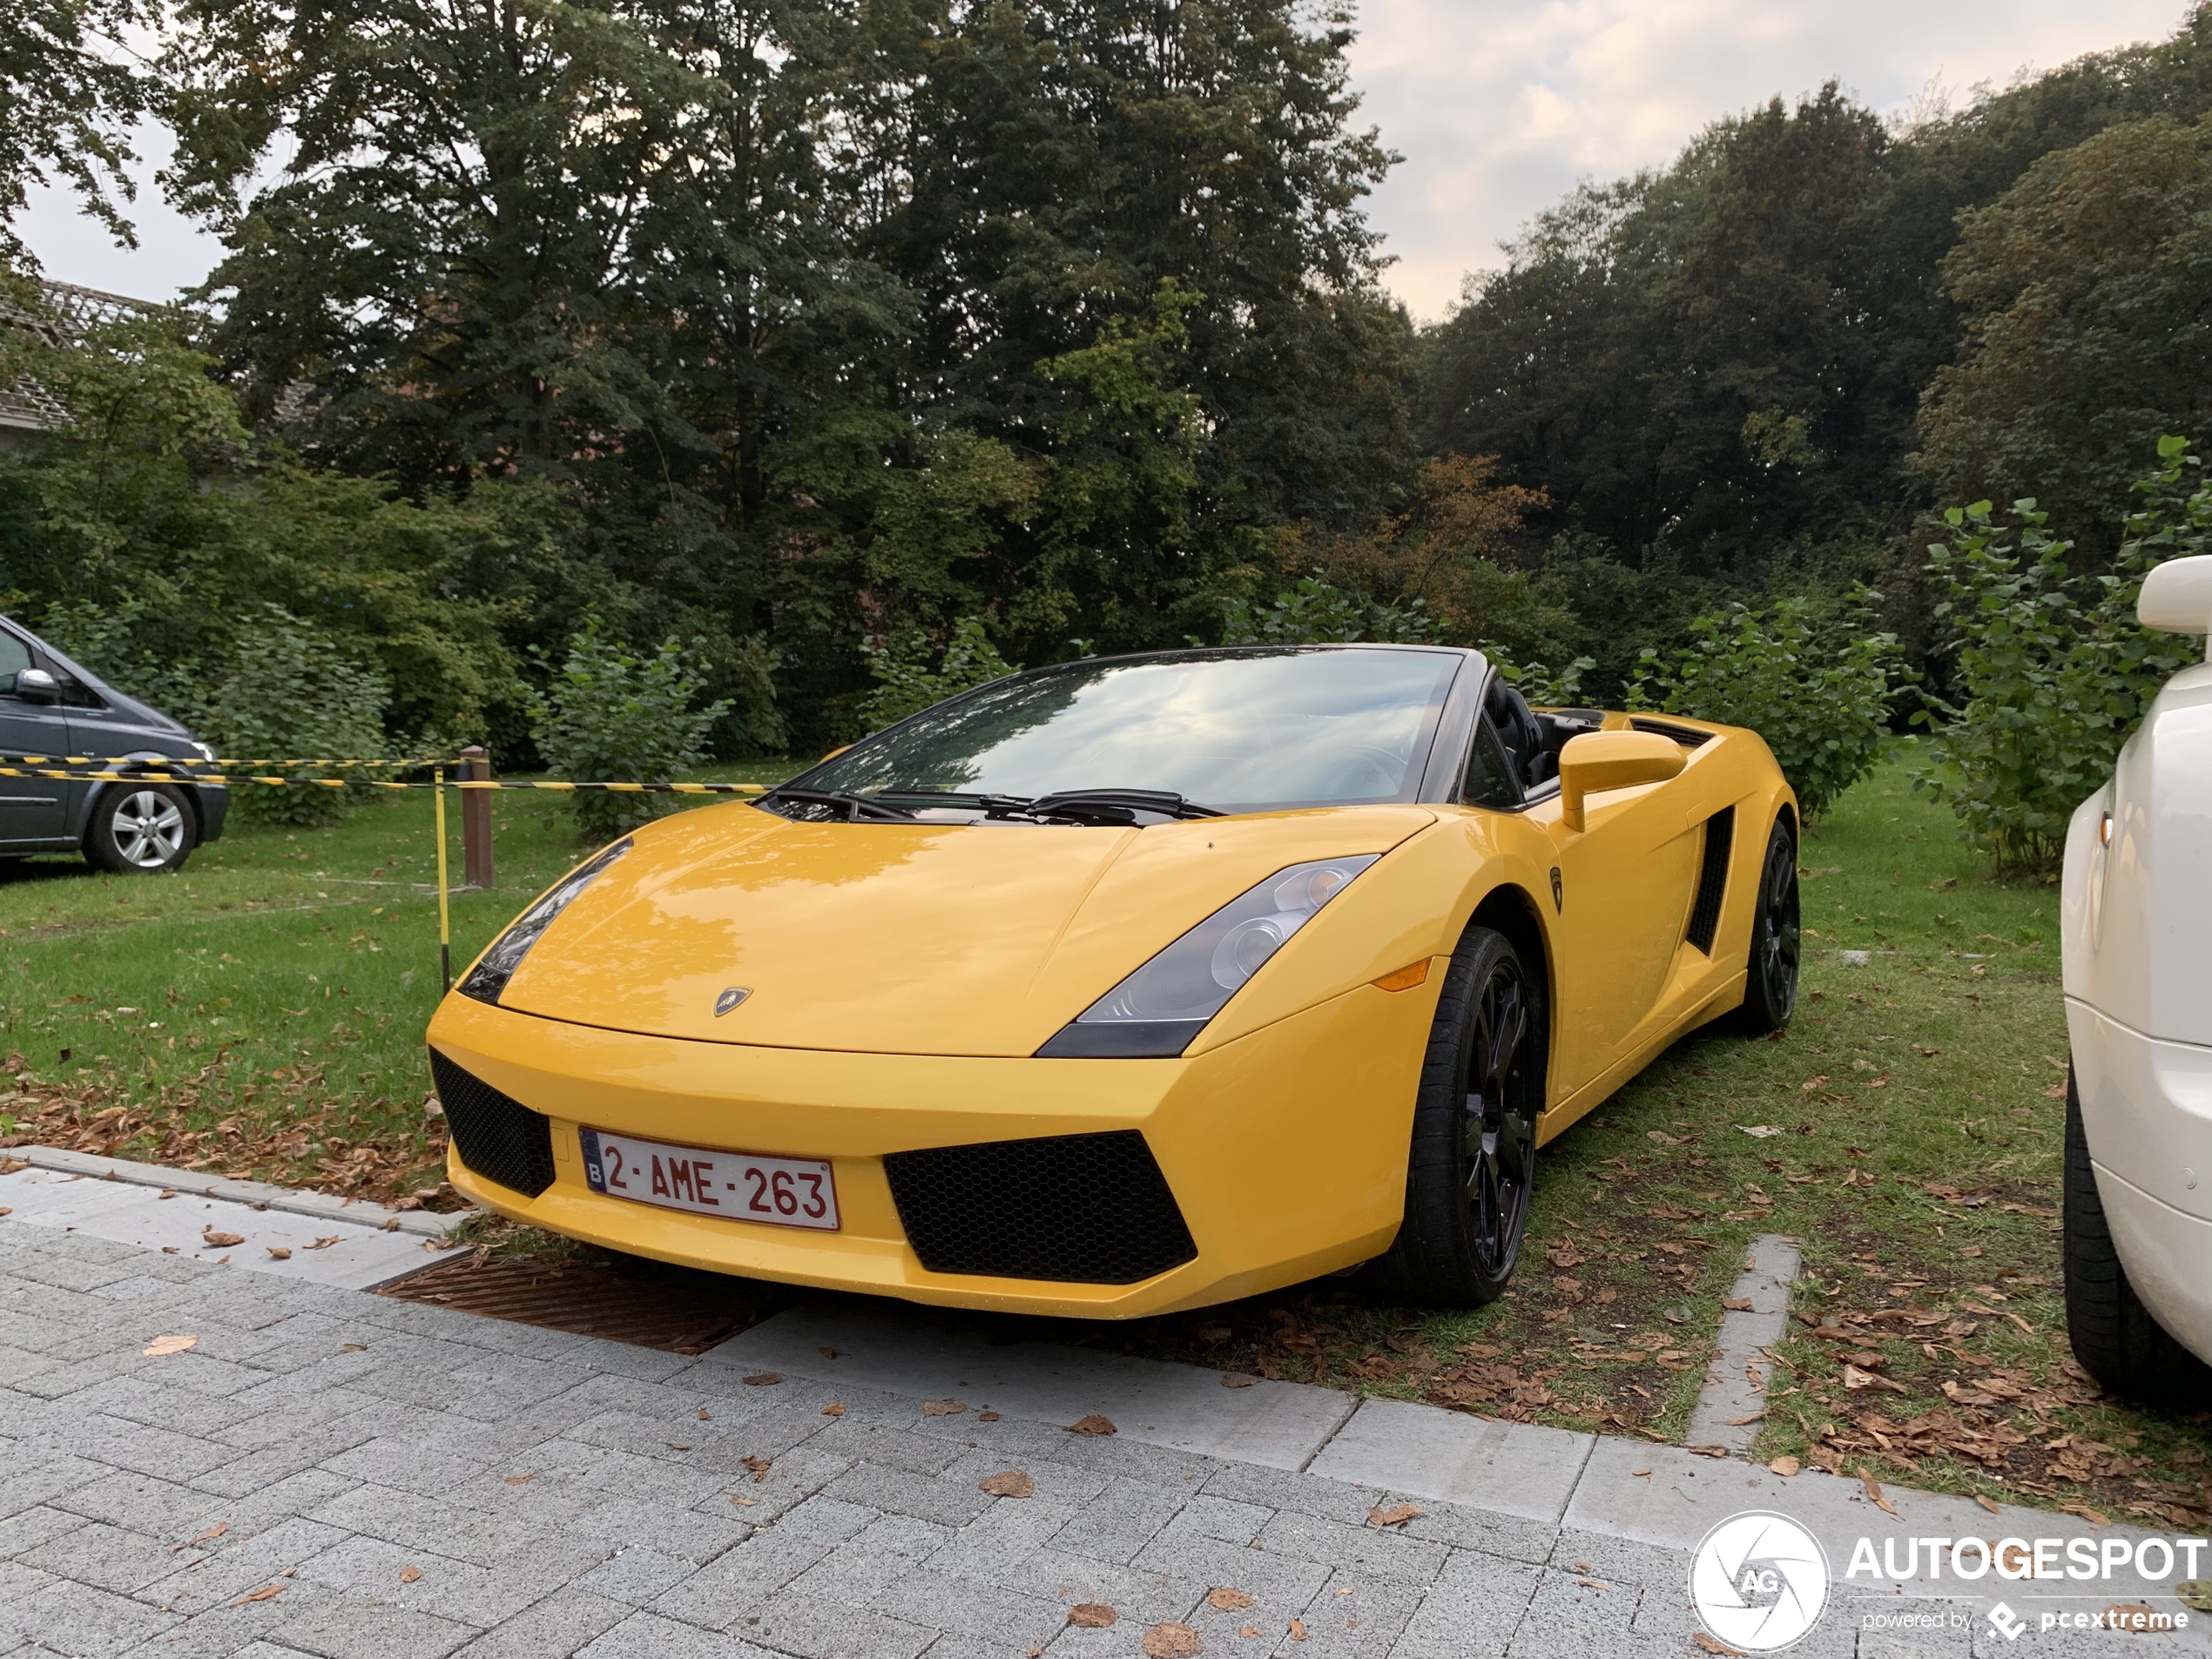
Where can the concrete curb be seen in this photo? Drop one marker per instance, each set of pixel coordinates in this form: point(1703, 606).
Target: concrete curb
point(359, 1213)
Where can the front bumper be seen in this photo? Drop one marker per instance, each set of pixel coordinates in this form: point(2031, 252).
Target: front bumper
point(2147, 1110)
point(1286, 1149)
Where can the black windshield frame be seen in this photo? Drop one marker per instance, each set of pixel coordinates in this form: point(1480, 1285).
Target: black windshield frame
point(1447, 724)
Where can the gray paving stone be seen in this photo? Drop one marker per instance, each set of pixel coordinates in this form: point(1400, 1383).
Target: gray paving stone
point(366, 1627)
point(1352, 1617)
point(1060, 1576)
point(553, 1628)
point(967, 1608)
point(1576, 1598)
point(649, 1635)
point(1377, 1551)
point(739, 1581)
point(110, 1557)
point(1222, 1518)
point(797, 1623)
point(232, 1568)
point(444, 1587)
point(93, 1624)
point(636, 1575)
point(948, 1502)
point(870, 1562)
point(29, 1531)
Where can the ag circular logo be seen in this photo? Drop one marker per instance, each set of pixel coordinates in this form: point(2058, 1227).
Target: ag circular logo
point(1760, 1581)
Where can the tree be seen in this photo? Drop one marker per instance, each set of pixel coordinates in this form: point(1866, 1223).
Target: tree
point(69, 89)
point(2088, 288)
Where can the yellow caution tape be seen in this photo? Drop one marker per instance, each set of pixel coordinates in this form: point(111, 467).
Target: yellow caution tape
point(171, 762)
point(169, 775)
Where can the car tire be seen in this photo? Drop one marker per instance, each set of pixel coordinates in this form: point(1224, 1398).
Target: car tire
point(140, 829)
point(2113, 1335)
point(1771, 968)
point(1471, 1165)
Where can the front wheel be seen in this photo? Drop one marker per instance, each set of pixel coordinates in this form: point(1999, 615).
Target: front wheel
point(1472, 1166)
point(2113, 1333)
point(140, 829)
point(1770, 975)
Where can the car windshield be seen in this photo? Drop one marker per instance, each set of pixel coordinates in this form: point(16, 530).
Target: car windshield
point(1240, 730)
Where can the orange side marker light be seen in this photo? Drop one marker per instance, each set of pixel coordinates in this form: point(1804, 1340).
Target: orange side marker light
point(1405, 978)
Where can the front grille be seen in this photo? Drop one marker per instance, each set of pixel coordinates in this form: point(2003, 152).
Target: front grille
point(1712, 880)
point(1087, 1209)
point(498, 1136)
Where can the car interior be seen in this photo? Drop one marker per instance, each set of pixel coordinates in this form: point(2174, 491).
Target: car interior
point(1533, 739)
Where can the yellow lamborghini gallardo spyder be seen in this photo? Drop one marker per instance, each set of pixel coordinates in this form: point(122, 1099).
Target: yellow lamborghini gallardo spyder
point(1129, 984)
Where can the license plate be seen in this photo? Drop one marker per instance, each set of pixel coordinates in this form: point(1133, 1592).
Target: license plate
point(784, 1192)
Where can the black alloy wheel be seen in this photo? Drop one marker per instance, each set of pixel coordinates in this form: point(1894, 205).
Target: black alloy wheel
point(1472, 1167)
point(1770, 977)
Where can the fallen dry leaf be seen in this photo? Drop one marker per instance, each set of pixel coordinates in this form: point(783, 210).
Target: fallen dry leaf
point(215, 1531)
point(759, 1465)
point(1008, 1483)
point(827, 1354)
point(942, 1407)
point(1639, 1473)
point(1738, 1303)
point(1297, 1629)
point(266, 1593)
point(1091, 1615)
point(1994, 1508)
point(986, 1417)
point(409, 1574)
point(831, 1410)
point(1248, 1630)
point(166, 1192)
point(214, 1240)
point(1714, 1644)
point(1753, 1416)
point(1785, 1466)
point(1874, 1493)
point(1854, 1378)
point(763, 1379)
point(520, 1480)
point(1093, 1424)
point(1236, 1379)
point(1225, 1600)
point(1171, 1641)
point(1396, 1515)
point(2095, 1518)
point(678, 1445)
point(161, 1345)
point(280, 1252)
point(744, 1503)
point(323, 1244)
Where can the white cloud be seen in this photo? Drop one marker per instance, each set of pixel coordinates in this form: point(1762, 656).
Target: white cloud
point(1500, 106)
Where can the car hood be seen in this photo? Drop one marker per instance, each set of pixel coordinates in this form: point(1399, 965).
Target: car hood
point(900, 939)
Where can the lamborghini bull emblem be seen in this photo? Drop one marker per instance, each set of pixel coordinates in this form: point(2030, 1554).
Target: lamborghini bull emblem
point(731, 997)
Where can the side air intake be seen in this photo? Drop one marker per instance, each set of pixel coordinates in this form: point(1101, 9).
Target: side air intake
point(1712, 880)
point(497, 1137)
point(1086, 1209)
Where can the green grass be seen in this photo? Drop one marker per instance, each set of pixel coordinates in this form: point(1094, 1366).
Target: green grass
point(278, 986)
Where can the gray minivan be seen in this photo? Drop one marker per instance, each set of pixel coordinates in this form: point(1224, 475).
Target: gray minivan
point(50, 705)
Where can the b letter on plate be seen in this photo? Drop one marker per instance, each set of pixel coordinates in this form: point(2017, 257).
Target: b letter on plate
point(784, 1192)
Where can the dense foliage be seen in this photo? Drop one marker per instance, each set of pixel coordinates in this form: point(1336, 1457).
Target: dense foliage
point(614, 715)
point(2056, 671)
point(1819, 695)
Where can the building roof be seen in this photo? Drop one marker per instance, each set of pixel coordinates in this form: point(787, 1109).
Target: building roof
point(64, 313)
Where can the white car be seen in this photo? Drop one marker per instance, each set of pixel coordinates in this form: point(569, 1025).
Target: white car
point(2137, 917)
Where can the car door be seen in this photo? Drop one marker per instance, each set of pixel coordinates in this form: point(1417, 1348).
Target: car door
point(1621, 894)
point(31, 808)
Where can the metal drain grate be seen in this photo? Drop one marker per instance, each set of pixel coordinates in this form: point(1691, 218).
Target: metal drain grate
point(674, 1309)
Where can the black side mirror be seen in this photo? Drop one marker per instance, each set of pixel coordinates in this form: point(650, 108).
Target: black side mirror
point(37, 685)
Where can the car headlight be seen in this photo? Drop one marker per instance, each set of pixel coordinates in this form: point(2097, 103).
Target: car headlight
point(496, 966)
point(1156, 1010)
point(204, 752)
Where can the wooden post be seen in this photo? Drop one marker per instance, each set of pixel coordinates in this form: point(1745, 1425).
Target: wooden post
point(475, 821)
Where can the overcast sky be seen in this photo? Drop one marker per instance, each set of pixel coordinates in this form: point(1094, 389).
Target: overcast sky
point(1499, 107)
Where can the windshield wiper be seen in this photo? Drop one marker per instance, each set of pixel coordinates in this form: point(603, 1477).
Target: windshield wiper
point(852, 808)
point(1114, 805)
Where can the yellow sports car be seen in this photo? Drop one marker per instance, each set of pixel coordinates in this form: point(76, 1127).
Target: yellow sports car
point(1129, 984)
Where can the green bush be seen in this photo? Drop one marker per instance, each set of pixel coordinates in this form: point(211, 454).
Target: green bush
point(1544, 689)
point(1819, 694)
point(1317, 612)
point(905, 684)
point(613, 715)
point(2055, 669)
point(289, 692)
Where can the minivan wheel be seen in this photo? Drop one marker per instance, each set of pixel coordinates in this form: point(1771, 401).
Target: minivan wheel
point(1472, 1166)
point(2113, 1335)
point(140, 829)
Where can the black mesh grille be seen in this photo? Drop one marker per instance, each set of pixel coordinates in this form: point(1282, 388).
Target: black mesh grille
point(499, 1138)
point(1089, 1208)
point(1712, 880)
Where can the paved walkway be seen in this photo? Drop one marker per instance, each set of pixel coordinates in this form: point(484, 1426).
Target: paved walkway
point(326, 1471)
